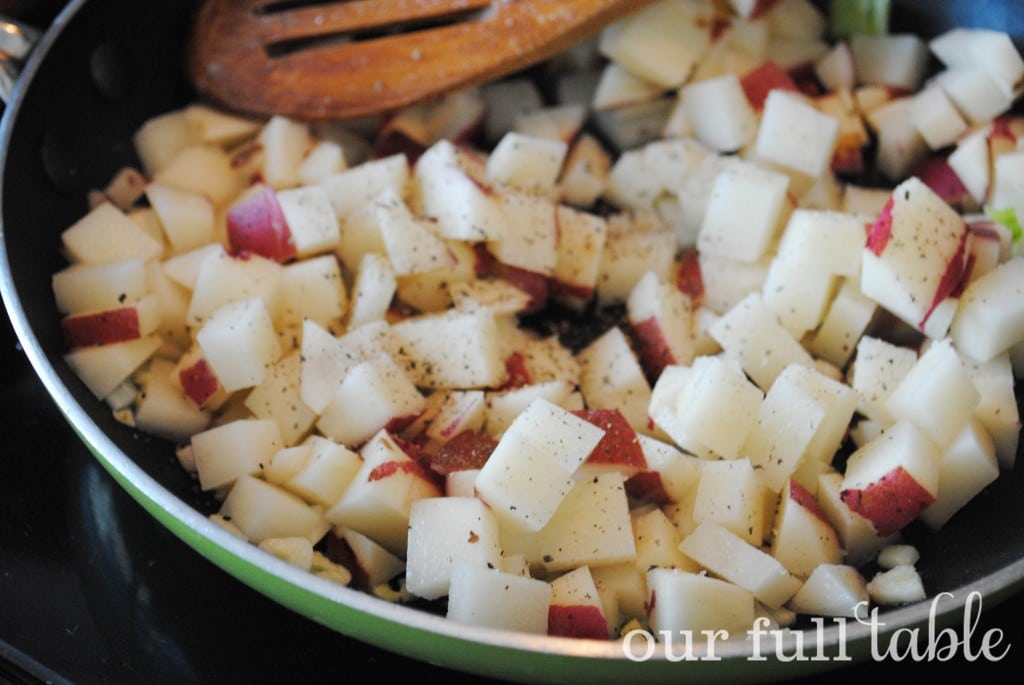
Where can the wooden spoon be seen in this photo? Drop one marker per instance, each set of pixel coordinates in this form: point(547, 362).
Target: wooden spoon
point(350, 58)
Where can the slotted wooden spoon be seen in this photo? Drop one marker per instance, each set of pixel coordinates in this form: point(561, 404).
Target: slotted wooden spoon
point(348, 58)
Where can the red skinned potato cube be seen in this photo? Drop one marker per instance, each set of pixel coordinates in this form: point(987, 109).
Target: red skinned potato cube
point(198, 381)
point(671, 475)
point(370, 564)
point(581, 239)
point(377, 502)
point(660, 324)
point(257, 224)
point(915, 258)
point(467, 450)
point(762, 79)
point(619, 449)
point(893, 478)
point(112, 325)
point(803, 537)
point(575, 609)
point(536, 285)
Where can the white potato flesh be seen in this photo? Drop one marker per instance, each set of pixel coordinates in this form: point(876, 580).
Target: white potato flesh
point(164, 411)
point(728, 281)
point(576, 589)
point(373, 290)
point(660, 43)
point(106, 234)
point(730, 494)
point(795, 135)
point(975, 92)
point(285, 142)
point(377, 501)
point(966, 467)
point(590, 527)
point(161, 137)
point(204, 170)
point(312, 289)
point(239, 448)
point(263, 511)
point(893, 60)
point(989, 49)
point(461, 410)
point(611, 377)
point(936, 117)
point(187, 218)
point(279, 397)
point(532, 245)
point(802, 537)
point(729, 556)
point(657, 542)
point(219, 128)
point(352, 188)
point(485, 597)
point(444, 532)
point(751, 333)
point(997, 409)
point(376, 562)
point(720, 113)
point(504, 406)
point(746, 211)
point(85, 287)
point(327, 359)
point(297, 551)
point(678, 473)
point(528, 163)
point(788, 420)
point(833, 590)
point(410, 246)
point(937, 393)
point(103, 368)
point(222, 279)
point(692, 602)
point(628, 256)
point(914, 248)
point(311, 219)
point(423, 347)
point(326, 473)
point(372, 395)
point(581, 240)
point(463, 210)
point(991, 317)
point(844, 324)
point(898, 585)
point(856, 533)
point(530, 471)
point(878, 368)
point(662, 322)
point(240, 343)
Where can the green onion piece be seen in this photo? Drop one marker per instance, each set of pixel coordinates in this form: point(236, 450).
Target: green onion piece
point(851, 17)
point(1007, 217)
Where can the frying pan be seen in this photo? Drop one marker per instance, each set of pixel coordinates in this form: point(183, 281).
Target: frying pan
point(101, 70)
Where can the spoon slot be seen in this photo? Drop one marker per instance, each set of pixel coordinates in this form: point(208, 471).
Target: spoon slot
point(396, 28)
point(284, 21)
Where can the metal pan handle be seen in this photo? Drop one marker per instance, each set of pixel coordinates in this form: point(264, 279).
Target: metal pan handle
point(16, 42)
